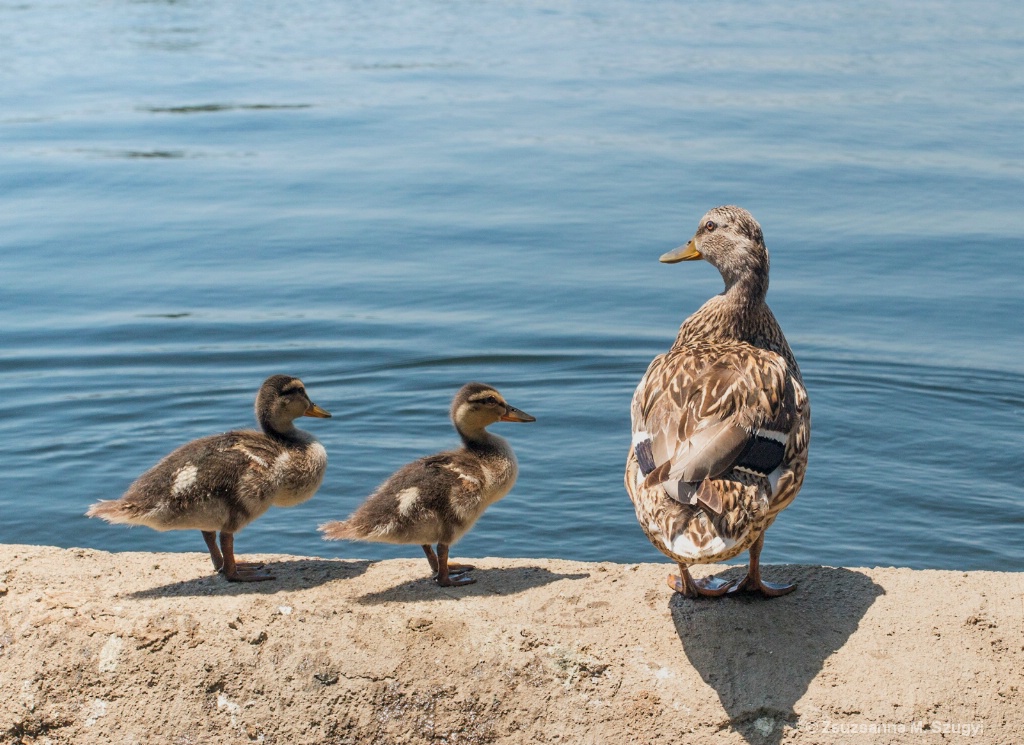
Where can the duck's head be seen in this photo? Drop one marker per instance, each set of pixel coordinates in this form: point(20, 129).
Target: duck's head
point(283, 399)
point(476, 406)
point(729, 239)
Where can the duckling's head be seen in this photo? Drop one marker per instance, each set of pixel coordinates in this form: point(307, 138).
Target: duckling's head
point(476, 406)
point(729, 239)
point(283, 399)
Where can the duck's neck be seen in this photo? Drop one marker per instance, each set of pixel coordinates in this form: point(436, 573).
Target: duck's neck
point(738, 314)
point(747, 285)
point(478, 438)
point(279, 428)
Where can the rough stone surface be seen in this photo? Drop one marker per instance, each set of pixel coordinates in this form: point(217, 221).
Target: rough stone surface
point(152, 648)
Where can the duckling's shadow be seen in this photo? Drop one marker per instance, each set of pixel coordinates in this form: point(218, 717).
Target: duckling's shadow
point(761, 655)
point(297, 574)
point(489, 582)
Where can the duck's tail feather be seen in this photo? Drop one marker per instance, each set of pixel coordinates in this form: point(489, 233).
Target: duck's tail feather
point(340, 530)
point(114, 511)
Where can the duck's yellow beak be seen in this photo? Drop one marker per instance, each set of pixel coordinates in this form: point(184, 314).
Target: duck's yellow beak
point(516, 415)
point(316, 411)
point(688, 252)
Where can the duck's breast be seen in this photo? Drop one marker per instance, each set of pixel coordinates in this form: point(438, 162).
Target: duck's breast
point(299, 471)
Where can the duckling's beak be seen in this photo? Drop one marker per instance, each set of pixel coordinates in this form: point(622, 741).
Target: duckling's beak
point(316, 411)
point(688, 252)
point(512, 414)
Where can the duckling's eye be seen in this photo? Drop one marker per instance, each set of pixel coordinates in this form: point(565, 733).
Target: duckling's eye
point(491, 401)
point(710, 225)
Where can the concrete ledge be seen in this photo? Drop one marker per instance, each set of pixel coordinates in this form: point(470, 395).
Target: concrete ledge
point(151, 648)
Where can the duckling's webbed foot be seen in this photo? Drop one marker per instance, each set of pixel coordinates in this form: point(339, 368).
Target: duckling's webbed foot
point(247, 575)
point(709, 587)
point(239, 571)
point(455, 580)
point(450, 575)
point(452, 568)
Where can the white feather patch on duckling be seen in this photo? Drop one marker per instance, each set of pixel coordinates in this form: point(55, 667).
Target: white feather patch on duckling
point(463, 475)
point(184, 479)
point(250, 455)
point(407, 499)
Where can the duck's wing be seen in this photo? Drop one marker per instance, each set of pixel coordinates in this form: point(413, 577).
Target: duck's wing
point(233, 469)
point(423, 502)
point(700, 412)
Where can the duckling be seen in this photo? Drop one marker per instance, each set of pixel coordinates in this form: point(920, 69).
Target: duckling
point(223, 482)
point(721, 422)
point(436, 499)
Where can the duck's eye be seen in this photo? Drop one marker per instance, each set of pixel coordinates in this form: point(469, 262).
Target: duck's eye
point(491, 401)
point(710, 225)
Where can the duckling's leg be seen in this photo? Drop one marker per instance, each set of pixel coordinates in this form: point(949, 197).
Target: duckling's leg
point(210, 536)
point(709, 587)
point(452, 568)
point(444, 577)
point(753, 583)
point(239, 571)
point(431, 557)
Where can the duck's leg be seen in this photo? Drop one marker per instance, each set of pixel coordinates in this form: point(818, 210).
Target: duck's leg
point(210, 536)
point(753, 582)
point(452, 568)
point(709, 587)
point(239, 571)
point(431, 557)
point(444, 577)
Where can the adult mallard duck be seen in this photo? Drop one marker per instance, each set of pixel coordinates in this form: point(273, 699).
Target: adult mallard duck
point(435, 500)
point(224, 482)
point(721, 422)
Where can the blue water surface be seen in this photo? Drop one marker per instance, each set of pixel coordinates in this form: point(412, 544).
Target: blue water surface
point(390, 199)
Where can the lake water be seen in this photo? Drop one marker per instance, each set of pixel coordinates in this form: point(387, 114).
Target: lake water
point(390, 199)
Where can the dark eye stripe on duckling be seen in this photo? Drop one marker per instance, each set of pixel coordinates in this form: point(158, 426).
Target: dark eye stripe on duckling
point(295, 385)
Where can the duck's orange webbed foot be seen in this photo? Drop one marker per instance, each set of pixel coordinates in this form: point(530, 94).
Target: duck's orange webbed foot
point(756, 584)
point(709, 587)
point(753, 582)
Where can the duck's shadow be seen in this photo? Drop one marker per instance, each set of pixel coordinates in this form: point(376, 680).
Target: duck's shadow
point(489, 582)
point(297, 574)
point(761, 655)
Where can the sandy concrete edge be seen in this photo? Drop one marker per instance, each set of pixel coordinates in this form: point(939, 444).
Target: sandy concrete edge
point(142, 647)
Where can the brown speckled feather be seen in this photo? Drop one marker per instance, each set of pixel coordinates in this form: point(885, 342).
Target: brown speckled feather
point(721, 422)
point(223, 482)
point(436, 499)
point(432, 500)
